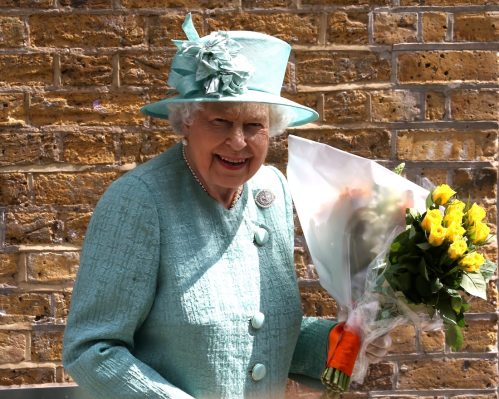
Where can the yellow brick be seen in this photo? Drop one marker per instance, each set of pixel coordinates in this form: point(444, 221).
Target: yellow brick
point(27, 376)
point(99, 4)
point(434, 26)
point(447, 145)
point(403, 339)
point(84, 30)
point(317, 302)
point(479, 184)
point(86, 70)
point(348, 28)
point(479, 27)
point(12, 347)
point(50, 267)
point(37, 4)
point(480, 336)
point(445, 66)
point(31, 227)
point(14, 189)
point(459, 374)
point(475, 105)
point(87, 108)
point(146, 69)
point(26, 70)
point(12, 109)
point(8, 269)
point(186, 4)
point(292, 28)
point(71, 188)
point(395, 106)
point(88, 148)
point(164, 28)
point(28, 305)
point(331, 67)
point(433, 341)
point(11, 32)
point(27, 148)
point(346, 106)
point(46, 346)
point(392, 28)
point(435, 106)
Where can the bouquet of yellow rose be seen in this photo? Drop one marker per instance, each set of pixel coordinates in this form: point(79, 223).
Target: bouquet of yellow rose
point(352, 210)
point(437, 257)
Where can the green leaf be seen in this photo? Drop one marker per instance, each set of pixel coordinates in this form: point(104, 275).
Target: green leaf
point(429, 201)
point(474, 284)
point(436, 285)
point(423, 270)
point(399, 168)
point(487, 270)
point(424, 246)
point(454, 336)
point(456, 302)
point(395, 247)
point(423, 286)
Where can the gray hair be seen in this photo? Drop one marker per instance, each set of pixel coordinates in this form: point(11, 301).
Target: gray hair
point(183, 113)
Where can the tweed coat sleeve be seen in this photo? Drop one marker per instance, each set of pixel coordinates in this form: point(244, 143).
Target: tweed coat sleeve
point(112, 296)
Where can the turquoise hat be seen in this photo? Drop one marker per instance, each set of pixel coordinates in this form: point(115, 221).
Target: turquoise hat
point(233, 66)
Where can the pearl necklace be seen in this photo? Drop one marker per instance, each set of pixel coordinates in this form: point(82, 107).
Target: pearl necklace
point(236, 196)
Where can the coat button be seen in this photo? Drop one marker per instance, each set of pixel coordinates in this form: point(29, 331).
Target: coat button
point(257, 320)
point(261, 236)
point(258, 372)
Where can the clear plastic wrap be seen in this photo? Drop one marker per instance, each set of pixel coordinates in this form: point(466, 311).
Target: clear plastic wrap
point(350, 209)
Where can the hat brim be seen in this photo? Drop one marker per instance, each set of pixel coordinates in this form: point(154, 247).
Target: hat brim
point(300, 113)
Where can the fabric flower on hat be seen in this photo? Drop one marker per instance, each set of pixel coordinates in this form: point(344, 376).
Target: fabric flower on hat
point(213, 66)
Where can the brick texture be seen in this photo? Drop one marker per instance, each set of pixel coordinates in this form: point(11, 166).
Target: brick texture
point(394, 81)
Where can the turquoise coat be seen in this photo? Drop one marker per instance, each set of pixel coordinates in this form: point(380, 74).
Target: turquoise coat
point(178, 297)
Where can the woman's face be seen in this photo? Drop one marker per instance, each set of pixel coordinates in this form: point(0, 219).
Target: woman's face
point(227, 143)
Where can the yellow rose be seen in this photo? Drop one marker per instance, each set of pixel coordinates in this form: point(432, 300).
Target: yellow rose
point(455, 205)
point(453, 217)
point(471, 262)
point(457, 249)
point(437, 235)
point(455, 232)
point(475, 214)
point(478, 232)
point(441, 194)
point(432, 218)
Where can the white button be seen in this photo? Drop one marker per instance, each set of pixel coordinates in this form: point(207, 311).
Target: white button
point(257, 320)
point(261, 236)
point(258, 372)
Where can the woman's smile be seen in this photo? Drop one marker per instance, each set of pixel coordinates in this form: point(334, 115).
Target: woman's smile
point(231, 163)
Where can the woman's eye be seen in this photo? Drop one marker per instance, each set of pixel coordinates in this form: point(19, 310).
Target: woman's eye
point(220, 122)
point(253, 127)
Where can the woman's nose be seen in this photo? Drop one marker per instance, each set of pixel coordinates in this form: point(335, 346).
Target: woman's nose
point(236, 138)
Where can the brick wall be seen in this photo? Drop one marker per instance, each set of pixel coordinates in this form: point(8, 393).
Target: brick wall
point(394, 80)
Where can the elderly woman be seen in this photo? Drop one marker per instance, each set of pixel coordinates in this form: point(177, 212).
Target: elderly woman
point(187, 284)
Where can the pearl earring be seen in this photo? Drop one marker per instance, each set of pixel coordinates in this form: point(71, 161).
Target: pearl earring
point(184, 142)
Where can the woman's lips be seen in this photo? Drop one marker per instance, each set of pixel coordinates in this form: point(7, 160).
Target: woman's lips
point(232, 163)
